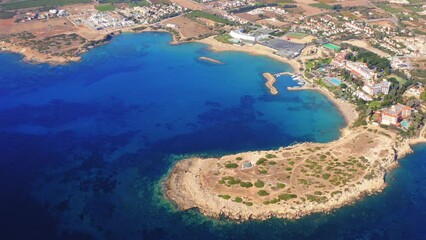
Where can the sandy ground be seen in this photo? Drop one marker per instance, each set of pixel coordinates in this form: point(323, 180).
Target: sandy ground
point(248, 17)
point(311, 11)
point(306, 39)
point(363, 44)
point(255, 50)
point(40, 27)
point(384, 23)
point(272, 22)
point(187, 27)
point(189, 4)
point(352, 3)
point(6, 22)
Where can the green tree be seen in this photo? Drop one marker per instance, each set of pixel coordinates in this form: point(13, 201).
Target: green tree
point(423, 96)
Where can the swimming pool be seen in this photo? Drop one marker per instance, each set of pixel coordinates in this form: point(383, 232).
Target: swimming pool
point(335, 81)
point(405, 124)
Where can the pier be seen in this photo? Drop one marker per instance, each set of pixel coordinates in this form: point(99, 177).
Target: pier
point(296, 77)
point(282, 74)
point(270, 80)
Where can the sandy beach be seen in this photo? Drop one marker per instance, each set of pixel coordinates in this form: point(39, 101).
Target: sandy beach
point(347, 109)
point(251, 49)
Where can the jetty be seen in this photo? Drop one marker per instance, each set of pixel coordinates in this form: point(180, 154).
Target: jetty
point(282, 74)
point(210, 60)
point(270, 81)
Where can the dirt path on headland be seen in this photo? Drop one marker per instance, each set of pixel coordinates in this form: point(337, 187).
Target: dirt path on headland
point(295, 181)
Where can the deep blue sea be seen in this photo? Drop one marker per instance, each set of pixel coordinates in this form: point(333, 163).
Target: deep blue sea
point(84, 146)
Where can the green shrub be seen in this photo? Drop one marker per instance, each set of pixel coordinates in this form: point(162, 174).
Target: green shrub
point(233, 181)
point(238, 200)
point(287, 196)
point(231, 165)
point(262, 193)
point(263, 171)
point(246, 184)
point(226, 197)
point(326, 176)
point(259, 184)
point(261, 161)
point(228, 181)
point(269, 155)
point(281, 185)
point(239, 158)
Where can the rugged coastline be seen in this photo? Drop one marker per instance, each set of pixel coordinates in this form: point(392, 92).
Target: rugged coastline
point(33, 56)
point(367, 154)
point(193, 183)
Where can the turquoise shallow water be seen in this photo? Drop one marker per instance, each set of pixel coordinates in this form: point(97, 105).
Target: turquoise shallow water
point(85, 145)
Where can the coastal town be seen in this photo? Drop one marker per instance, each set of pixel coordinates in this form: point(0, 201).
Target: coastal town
point(368, 57)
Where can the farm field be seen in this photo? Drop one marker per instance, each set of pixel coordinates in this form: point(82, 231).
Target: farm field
point(39, 3)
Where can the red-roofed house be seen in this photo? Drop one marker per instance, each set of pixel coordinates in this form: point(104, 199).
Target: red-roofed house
point(394, 114)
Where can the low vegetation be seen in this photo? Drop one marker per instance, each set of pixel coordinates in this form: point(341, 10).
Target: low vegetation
point(39, 3)
point(201, 14)
point(105, 7)
point(259, 184)
point(224, 38)
point(231, 165)
point(321, 5)
point(262, 193)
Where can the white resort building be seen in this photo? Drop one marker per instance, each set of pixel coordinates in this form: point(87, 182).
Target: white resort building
point(360, 69)
point(240, 35)
point(373, 89)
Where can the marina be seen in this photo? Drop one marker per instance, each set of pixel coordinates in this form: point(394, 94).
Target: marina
point(296, 77)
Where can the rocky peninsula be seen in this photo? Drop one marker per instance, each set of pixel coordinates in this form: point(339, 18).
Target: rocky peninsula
point(290, 182)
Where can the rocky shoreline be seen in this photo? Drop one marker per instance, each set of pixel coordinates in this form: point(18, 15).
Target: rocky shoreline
point(189, 184)
point(33, 56)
